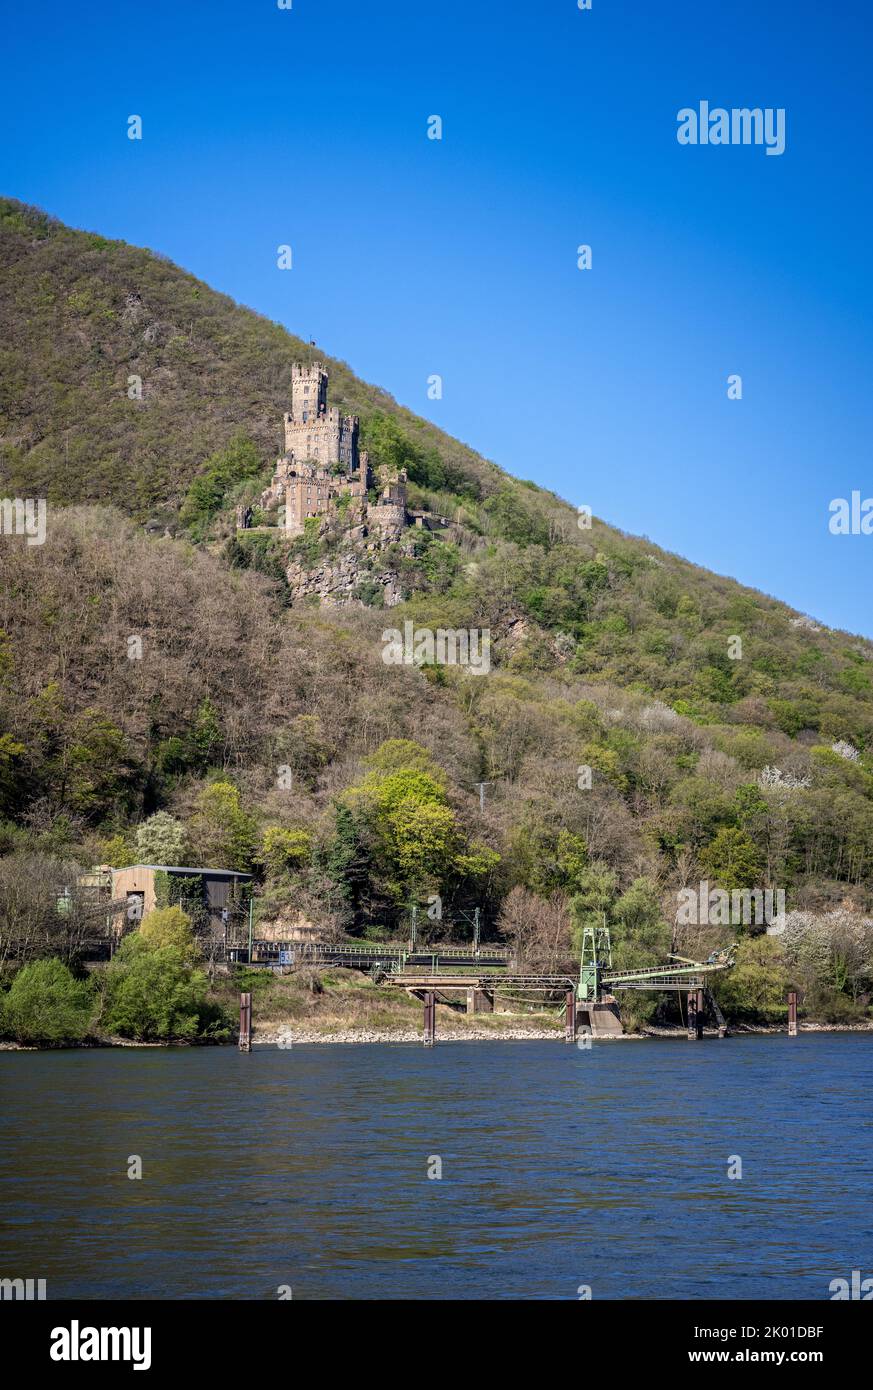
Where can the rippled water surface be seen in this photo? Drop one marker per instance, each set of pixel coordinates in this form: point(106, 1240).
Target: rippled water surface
point(308, 1167)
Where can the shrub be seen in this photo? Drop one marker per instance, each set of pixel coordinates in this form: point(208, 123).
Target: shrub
point(153, 995)
point(46, 1004)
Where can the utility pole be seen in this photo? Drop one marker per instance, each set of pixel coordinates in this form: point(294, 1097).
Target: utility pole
point(412, 940)
point(251, 910)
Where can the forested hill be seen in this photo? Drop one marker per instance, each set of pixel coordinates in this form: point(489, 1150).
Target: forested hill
point(726, 736)
point(81, 314)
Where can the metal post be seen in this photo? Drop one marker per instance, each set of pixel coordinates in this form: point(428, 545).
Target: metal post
point(692, 1015)
point(245, 1023)
point(251, 918)
point(792, 1013)
point(476, 931)
point(412, 942)
point(570, 1021)
point(716, 1012)
point(429, 1018)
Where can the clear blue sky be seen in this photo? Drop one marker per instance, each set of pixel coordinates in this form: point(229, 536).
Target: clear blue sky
point(264, 126)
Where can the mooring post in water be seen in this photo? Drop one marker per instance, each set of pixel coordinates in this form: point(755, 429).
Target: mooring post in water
point(429, 1018)
point(570, 1024)
point(792, 1013)
point(245, 1023)
point(696, 1014)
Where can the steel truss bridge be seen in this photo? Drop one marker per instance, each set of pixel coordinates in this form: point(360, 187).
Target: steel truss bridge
point(691, 976)
point(387, 959)
point(443, 970)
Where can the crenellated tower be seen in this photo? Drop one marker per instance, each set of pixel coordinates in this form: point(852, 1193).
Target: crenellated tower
point(321, 459)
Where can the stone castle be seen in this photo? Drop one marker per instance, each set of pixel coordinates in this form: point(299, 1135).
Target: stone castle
point(322, 465)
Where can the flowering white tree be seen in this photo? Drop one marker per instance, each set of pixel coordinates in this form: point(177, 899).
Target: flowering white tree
point(775, 778)
point(846, 750)
point(161, 840)
point(834, 948)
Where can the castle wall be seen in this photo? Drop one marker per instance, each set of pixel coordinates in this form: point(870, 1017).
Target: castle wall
point(390, 519)
point(308, 492)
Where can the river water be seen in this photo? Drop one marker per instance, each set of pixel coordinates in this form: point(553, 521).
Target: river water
point(307, 1167)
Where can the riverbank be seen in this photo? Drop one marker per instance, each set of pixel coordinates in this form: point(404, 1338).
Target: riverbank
point(343, 1007)
point(507, 1030)
point(515, 1032)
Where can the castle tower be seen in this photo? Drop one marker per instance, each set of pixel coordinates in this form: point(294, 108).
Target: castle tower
point(308, 392)
point(314, 431)
point(321, 461)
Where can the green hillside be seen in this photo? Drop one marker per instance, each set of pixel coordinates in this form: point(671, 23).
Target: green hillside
point(727, 738)
point(82, 314)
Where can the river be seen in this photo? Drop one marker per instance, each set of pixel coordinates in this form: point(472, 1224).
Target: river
point(306, 1168)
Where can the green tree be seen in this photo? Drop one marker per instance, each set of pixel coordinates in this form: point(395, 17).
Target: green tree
point(731, 860)
point(46, 1004)
point(348, 860)
point(116, 851)
point(224, 834)
point(153, 995)
point(205, 737)
point(640, 924)
point(168, 926)
point(10, 753)
point(572, 861)
point(640, 939)
point(595, 895)
point(515, 519)
point(285, 851)
point(754, 990)
point(238, 461)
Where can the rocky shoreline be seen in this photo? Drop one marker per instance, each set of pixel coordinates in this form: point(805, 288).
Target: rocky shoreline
point(287, 1037)
point(284, 1038)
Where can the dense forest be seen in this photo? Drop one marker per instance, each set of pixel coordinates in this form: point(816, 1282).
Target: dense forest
point(645, 725)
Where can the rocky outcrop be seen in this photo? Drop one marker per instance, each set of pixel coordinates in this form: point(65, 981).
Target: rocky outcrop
point(341, 581)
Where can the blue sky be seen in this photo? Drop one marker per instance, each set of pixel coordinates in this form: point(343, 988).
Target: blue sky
point(308, 127)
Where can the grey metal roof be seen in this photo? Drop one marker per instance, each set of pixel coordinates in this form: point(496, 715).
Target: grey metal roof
point(185, 869)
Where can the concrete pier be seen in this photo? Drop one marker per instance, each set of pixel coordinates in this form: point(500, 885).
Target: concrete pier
point(602, 1018)
point(480, 1001)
